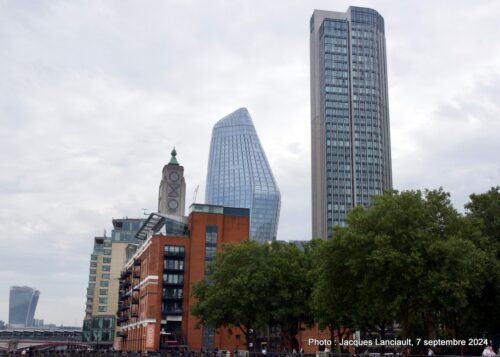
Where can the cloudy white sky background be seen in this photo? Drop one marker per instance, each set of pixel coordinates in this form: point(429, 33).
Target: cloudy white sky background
point(93, 95)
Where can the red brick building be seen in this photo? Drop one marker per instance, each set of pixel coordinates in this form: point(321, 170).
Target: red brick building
point(155, 285)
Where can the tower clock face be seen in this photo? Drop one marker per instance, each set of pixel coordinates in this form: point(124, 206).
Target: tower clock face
point(173, 204)
point(174, 176)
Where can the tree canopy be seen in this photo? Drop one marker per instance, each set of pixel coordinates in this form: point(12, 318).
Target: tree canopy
point(252, 286)
point(410, 258)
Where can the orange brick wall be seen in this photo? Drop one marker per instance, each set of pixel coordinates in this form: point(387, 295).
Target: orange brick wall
point(231, 229)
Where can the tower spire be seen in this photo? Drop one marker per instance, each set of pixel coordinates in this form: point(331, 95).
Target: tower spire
point(173, 159)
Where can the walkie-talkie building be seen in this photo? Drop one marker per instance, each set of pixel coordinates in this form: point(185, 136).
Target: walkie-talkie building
point(351, 146)
point(22, 305)
point(239, 174)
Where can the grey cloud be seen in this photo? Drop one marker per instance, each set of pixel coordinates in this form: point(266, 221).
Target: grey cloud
point(94, 95)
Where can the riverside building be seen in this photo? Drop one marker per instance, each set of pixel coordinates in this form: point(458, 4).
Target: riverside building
point(156, 283)
point(350, 137)
point(106, 262)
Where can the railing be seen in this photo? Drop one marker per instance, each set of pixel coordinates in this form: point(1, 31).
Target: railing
point(103, 353)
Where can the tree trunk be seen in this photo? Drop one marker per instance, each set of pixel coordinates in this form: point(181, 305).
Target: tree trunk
point(331, 327)
point(340, 336)
point(429, 324)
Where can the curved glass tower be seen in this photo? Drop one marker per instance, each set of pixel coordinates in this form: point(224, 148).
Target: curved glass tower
point(22, 305)
point(240, 176)
point(351, 144)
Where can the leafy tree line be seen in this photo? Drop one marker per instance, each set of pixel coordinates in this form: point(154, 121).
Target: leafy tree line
point(411, 258)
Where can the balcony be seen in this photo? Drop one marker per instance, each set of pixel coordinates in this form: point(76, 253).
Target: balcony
point(172, 311)
point(124, 274)
point(121, 321)
point(137, 262)
point(172, 296)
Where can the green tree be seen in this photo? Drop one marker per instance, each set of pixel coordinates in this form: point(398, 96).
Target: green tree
point(289, 290)
point(409, 257)
point(433, 262)
point(482, 313)
point(334, 292)
point(235, 289)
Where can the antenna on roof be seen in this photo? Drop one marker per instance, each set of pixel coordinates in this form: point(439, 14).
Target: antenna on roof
point(104, 232)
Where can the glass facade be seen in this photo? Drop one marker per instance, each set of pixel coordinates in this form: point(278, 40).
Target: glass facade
point(98, 330)
point(172, 289)
point(22, 305)
point(239, 174)
point(125, 229)
point(208, 333)
point(351, 155)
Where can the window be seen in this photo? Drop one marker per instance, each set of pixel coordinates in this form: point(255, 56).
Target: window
point(105, 276)
point(103, 308)
point(174, 250)
point(106, 259)
point(104, 284)
point(106, 267)
point(107, 251)
point(172, 293)
point(103, 300)
point(103, 291)
point(173, 278)
point(171, 264)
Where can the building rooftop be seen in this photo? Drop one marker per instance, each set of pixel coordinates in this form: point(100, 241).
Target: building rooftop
point(167, 224)
point(216, 209)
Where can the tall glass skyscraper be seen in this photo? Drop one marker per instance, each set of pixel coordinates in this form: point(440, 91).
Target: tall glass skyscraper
point(22, 305)
point(240, 176)
point(351, 146)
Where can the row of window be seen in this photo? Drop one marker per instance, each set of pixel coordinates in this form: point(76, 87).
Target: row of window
point(174, 250)
point(103, 276)
point(170, 264)
point(172, 293)
point(335, 89)
point(328, 57)
point(171, 278)
point(100, 251)
point(332, 24)
point(364, 43)
point(328, 40)
point(210, 244)
point(333, 49)
point(343, 65)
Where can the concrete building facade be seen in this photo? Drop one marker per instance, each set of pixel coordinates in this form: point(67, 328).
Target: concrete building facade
point(107, 260)
point(350, 138)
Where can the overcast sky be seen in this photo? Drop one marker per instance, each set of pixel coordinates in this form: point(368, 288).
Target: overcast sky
point(94, 95)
